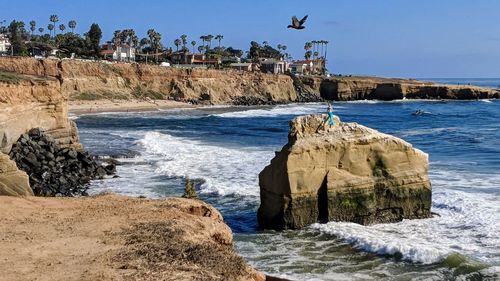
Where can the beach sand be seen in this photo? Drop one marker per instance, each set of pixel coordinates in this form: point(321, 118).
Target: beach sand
point(95, 106)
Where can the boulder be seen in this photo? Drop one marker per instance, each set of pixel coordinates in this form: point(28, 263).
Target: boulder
point(13, 182)
point(346, 172)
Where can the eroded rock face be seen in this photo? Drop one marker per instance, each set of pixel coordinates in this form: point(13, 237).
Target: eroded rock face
point(347, 172)
point(13, 182)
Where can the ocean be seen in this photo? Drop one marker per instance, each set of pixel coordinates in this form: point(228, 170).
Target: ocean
point(224, 149)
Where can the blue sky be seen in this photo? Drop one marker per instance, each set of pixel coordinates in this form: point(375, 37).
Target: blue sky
point(397, 38)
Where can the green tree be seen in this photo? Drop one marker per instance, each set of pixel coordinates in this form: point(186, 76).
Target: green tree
point(17, 38)
point(201, 48)
point(62, 27)
point(155, 39)
point(219, 38)
point(307, 55)
point(53, 19)
point(41, 30)
point(184, 41)
point(193, 43)
point(93, 39)
point(50, 27)
point(209, 38)
point(177, 43)
point(72, 25)
point(32, 26)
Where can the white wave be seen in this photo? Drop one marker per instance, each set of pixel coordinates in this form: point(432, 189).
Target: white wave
point(224, 170)
point(486, 101)
point(290, 109)
point(419, 132)
point(468, 225)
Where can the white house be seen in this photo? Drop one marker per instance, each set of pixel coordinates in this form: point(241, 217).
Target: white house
point(273, 66)
point(4, 43)
point(301, 67)
point(123, 52)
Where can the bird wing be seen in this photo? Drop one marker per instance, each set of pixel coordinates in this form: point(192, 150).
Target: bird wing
point(295, 21)
point(303, 20)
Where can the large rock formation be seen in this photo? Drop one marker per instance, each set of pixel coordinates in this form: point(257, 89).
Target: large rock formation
point(347, 172)
point(27, 102)
point(374, 88)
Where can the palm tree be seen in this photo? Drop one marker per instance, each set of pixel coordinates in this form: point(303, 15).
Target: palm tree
point(177, 43)
point(184, 40)
point(265, 43)
point(72, 25)
point(53, 19)
point(155, 38)
point(62, 27)
point(326, 48)
point(50, 27)
point(308, 47)
point(41, 30)
point(307, 55)
point(203, 38)
point(32, 26)
point(201, 48)
point(219, 37)
point(209, 40)
point(193, 43)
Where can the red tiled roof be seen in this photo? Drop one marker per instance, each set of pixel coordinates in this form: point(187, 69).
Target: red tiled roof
point(107, 52)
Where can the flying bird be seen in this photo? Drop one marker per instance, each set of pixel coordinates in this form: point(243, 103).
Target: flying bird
point(297, 24)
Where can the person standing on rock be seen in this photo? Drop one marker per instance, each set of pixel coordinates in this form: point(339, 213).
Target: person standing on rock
point(331, 121)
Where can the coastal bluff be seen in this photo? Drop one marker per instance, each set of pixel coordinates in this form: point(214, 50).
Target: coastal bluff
point(111, 237)
point(88, 80)
point(350, 88)
point(346, 172)
point(26, 102)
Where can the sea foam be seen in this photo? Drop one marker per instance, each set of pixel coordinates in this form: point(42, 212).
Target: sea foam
point(223, 170)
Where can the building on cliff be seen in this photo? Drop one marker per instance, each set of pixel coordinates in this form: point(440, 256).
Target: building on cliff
point(273, 66)
point(122, 52)
point(4, 44)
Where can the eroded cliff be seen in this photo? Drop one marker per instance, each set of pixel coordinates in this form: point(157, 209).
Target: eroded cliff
point(27, 102)
point(96, 80)
point(374, 88)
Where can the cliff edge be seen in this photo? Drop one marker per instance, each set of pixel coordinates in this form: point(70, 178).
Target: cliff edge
point(346, 172)
point(116, 238)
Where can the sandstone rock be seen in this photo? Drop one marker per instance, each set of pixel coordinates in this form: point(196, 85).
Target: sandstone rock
point(374, 88)
point(13, 182)
point(347, 172)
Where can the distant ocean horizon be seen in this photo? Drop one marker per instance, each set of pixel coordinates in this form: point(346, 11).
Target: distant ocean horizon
point(482, 82)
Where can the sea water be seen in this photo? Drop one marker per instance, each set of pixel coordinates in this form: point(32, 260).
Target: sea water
point(224, 149)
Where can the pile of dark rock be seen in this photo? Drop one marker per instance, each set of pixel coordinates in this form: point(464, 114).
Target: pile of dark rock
point(304, 96)
point(54, 170)
point(252, 100)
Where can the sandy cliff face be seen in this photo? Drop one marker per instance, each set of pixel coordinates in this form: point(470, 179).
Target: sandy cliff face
point(34, 102)
point(370, 88)
point(347, 172)
point(80, 79)
point(28, 102)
